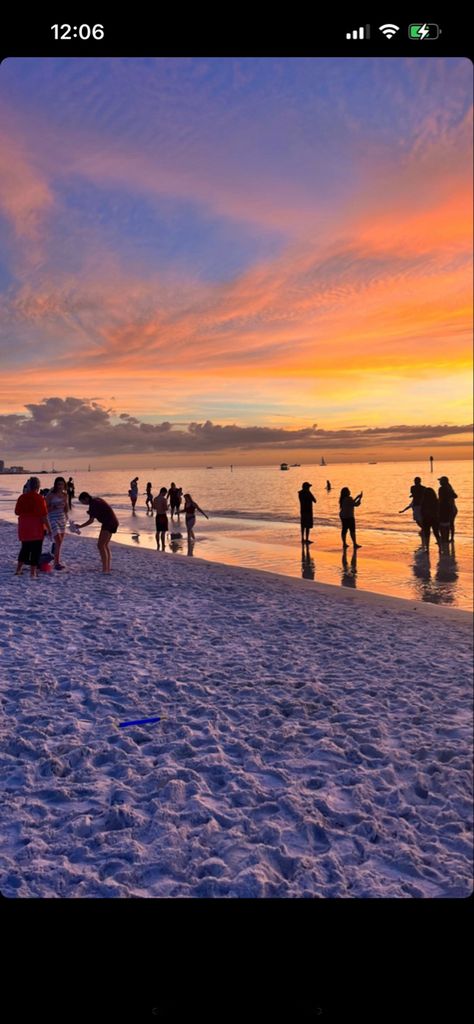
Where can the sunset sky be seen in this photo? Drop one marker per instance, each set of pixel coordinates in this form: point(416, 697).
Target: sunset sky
point(219, 254)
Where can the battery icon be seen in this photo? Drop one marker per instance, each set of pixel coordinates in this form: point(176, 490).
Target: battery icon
point(426, 30)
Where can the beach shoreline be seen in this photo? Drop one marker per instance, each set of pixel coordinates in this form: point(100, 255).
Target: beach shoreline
point(311, 742)
point(367, 597)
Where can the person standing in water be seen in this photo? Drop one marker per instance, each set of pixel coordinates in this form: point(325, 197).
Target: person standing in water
point(70, 492)
point(417, 491)
point(347, 504)
point(133, 492)
point(149, 498)
point(32, 522)
point(430, 516)
point(190, 509)
point(160, 505)
point(172, 495)
point(102, 511)
point(447, 509)
point(306, 511)
point(328, 485)
point(58, 512)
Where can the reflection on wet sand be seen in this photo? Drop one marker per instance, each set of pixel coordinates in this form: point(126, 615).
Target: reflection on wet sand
point(308, 568)
point(440, 589)
point(349, 572)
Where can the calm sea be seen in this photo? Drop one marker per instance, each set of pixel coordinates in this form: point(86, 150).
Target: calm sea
point(254, 522)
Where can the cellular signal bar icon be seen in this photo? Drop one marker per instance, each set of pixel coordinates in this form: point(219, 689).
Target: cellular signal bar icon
point(359, 33)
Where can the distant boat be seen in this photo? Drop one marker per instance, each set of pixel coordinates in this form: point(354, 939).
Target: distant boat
point(296, 463)
point(373, 463)
point(323, 461)
point(209, 467)
point(284, 465)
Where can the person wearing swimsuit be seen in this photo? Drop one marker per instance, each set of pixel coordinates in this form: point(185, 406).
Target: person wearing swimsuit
point(149, 499)
point(133, 492)
point(58, 514)
point(190, 509)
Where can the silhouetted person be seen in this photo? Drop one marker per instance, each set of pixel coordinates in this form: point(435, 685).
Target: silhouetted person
point(328, 485)
point(70, 492)
point(306, 511)
point(347, 504)
point(431, 462)
point(174, 497)
point(149, 498)
point(417, 491)
point(430, 516)
point(447, 509)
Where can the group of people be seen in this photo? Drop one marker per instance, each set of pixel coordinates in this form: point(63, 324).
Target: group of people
point(41, 515)
point(347, 504)
point(47, 513)
point(168, 500)
point(431, 511)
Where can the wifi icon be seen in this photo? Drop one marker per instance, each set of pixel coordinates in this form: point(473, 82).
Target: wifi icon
point(389, 30)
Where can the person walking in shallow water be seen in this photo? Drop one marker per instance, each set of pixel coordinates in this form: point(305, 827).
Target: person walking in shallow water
point(190, 509)
point(306, 511)
point(70, 492)
point(133, 492)
point(102, 511)
point(347, 504)
point(149, 498)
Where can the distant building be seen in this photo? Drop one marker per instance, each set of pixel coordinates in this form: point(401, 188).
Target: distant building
point(2, 465)
point(16, 469)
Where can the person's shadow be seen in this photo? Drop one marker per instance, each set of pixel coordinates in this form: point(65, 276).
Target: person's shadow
point(349, 572)
point(308, 568)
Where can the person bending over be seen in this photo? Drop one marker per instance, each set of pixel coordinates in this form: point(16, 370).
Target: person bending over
point(100, 510)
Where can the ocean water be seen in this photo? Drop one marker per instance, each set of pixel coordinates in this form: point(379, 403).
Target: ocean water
point(254, 522)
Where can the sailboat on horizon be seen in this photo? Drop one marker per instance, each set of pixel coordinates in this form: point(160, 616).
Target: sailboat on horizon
point(323, 461)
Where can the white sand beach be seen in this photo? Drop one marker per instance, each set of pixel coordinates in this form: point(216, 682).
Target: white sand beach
point(315, 741)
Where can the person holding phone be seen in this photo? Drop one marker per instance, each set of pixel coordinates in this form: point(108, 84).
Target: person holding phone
point(347, 504)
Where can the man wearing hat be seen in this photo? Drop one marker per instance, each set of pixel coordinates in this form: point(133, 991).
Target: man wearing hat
point(306, 511)
point(447, 509)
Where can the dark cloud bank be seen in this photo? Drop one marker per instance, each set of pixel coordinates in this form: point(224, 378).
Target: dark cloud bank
point(85, 427)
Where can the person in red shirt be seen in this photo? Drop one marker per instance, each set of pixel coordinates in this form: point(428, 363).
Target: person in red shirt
point(32, 522)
